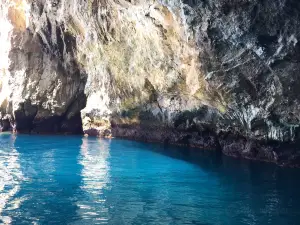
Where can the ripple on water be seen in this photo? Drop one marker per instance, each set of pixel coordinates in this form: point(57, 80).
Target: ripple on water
point(75, 180)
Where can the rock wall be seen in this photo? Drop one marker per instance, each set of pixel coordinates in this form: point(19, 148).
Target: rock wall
point(42, 85)
point(216, 74)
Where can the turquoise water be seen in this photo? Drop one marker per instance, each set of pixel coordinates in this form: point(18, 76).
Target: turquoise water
point(75, 180)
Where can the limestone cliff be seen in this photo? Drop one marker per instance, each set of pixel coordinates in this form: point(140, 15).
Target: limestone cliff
point(217, 74)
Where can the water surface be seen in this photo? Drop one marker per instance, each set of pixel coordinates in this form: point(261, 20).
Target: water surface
point(75, 180)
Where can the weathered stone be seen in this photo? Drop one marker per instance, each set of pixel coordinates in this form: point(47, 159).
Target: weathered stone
point(215, 74)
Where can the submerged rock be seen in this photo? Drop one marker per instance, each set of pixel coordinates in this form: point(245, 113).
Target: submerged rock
point(216, 74)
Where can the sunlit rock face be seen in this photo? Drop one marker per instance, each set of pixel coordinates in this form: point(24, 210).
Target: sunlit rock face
point(215, 74)
point(42, 86)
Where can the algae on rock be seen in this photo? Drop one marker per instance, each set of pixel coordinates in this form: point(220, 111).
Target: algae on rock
point(216, 74)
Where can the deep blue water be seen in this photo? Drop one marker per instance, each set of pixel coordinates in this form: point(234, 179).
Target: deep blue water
point(75, 180)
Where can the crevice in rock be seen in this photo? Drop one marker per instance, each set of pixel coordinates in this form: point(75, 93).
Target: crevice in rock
point(24, 117)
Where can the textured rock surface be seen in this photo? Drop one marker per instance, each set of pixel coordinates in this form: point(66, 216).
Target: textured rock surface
point(42, 85)
point(219, 74)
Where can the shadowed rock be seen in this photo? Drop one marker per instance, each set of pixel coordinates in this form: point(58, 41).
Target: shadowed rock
point(217, 74)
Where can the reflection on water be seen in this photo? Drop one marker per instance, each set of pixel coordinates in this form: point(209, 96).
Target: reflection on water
point(245, 192)
point(49, 192)
point(11, 177)
point(75, 180)
point(94, 155)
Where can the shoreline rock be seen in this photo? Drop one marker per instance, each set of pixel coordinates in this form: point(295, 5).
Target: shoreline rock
point(282, 154)
point(221, 74)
